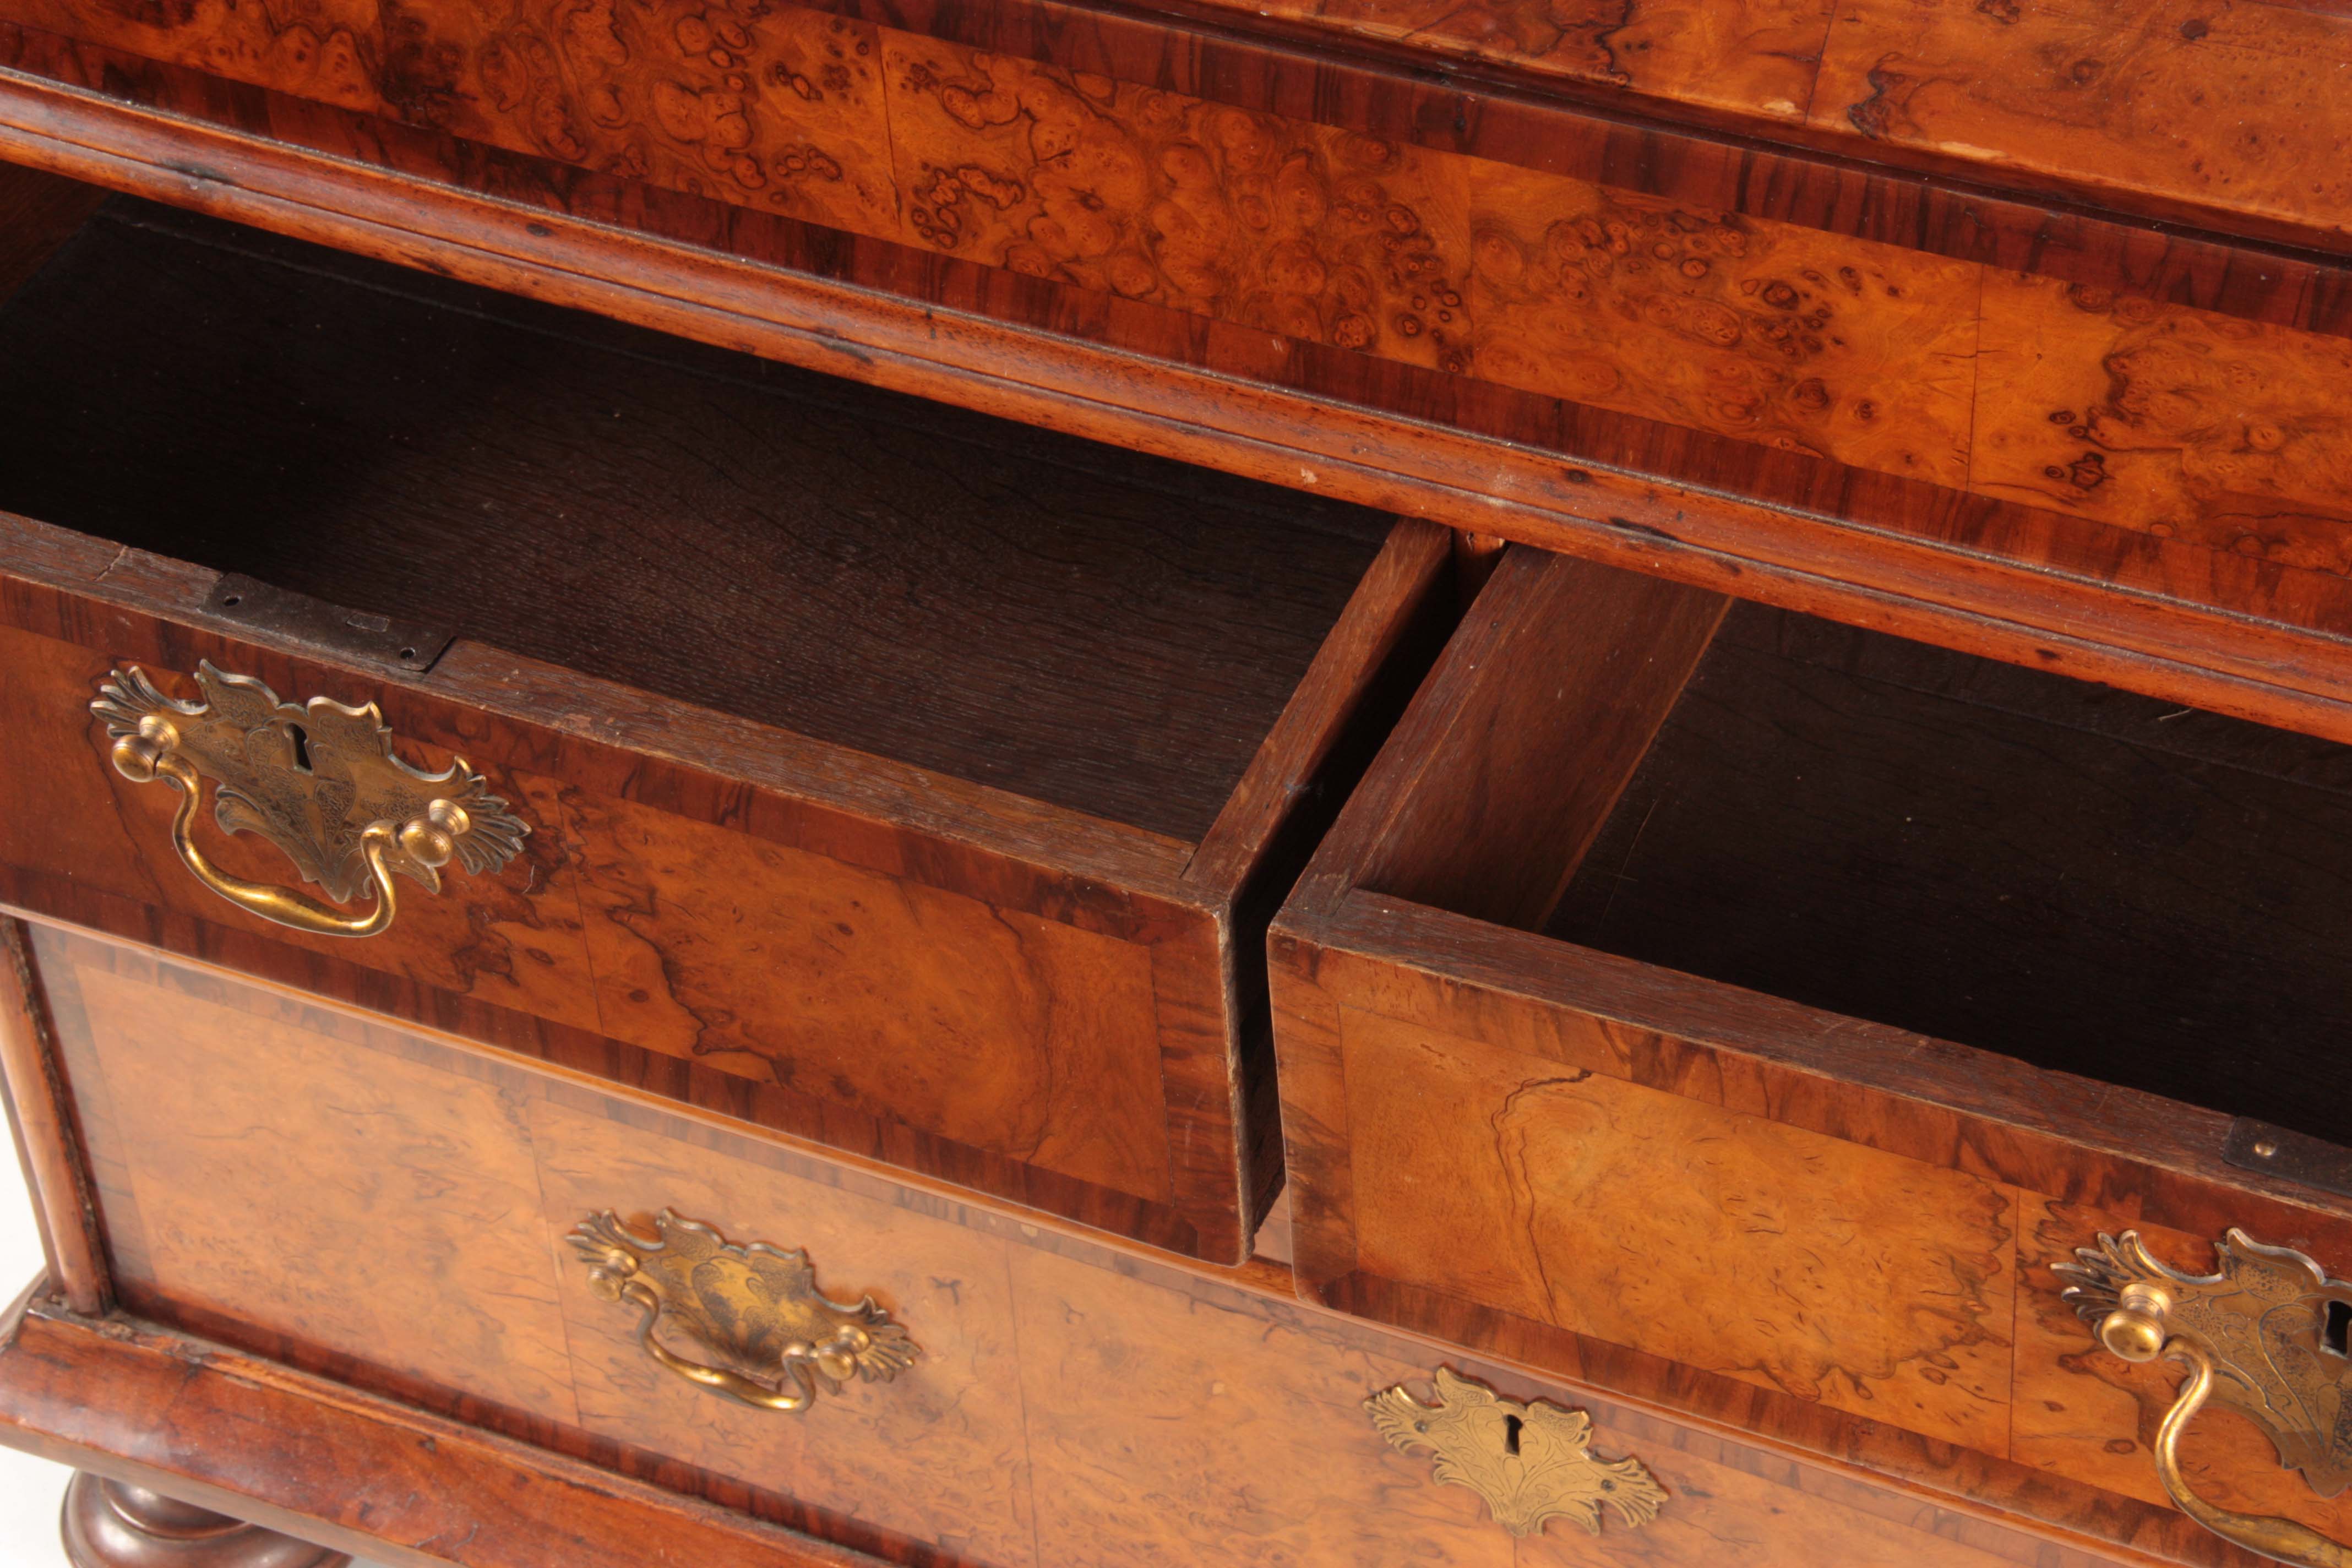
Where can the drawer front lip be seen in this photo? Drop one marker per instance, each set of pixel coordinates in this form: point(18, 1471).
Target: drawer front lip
point(524, 954)
point(2080, 1141)
point(1130, 1370)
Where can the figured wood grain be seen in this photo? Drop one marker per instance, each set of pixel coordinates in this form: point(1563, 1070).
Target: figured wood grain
point(997, 1029)
point(2226, 115)
point(1973, 1121)
point(511, 710)
point(399, 1174)
point(1758, 332)
point(2123, 1151)
point(1143, 1409)
point(1252, 1446)
point(1137, 372)
point(937, 1455)
point(2232, 112)
point(1578, 1159)
point(1240, 1381)
point(1757, 61)
point(1305, 231)
point(110, 1207)
point(2223, 114)
point(657, 1076)
point(775, 106)
point(417, 1248)
point(2165, 421)
point(1878, 1285)
point(382, 1477)
point(1756, 1512)
point(1739, 325)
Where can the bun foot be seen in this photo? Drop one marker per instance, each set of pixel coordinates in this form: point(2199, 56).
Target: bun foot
point(110, 1525)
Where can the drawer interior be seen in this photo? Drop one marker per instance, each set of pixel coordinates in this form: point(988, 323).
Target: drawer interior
point(1097, 628)
point(2089, 879)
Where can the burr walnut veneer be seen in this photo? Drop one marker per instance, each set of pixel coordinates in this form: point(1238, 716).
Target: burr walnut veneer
point(1332, 252)
point(1073, 1404)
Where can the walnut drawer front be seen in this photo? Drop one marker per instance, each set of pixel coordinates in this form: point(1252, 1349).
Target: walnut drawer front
point(892, 775)
point(392, 1208)
point(1569, 1021)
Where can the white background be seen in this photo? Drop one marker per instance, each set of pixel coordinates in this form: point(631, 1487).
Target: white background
point(29, 1487)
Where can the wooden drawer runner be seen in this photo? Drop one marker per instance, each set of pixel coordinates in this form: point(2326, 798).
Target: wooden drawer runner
point(899, 777)
point(354, 1198)
point(1532, 1109)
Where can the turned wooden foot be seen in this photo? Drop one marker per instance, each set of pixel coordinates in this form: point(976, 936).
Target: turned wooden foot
point(110, 1525)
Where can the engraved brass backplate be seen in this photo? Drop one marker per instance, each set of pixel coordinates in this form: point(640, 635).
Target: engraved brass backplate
point(320, 782)
point(1531, 1462)
point(755, 1309)
point(2265, 1336)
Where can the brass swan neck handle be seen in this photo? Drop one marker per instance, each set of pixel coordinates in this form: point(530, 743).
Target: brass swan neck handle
point(319, 781)
point(799, 1363)
point(2262, 1337)
point(755, 1305)
point(2282, 1539)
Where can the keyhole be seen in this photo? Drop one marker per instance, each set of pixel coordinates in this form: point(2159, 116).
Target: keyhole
point(2336, 1335)
point(1511, 1424)
point(302, 747)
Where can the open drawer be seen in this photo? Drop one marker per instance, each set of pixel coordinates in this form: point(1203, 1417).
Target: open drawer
point(882, 772)
point(1570, 1021)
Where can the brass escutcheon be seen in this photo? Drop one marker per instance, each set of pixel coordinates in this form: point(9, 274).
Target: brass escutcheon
point(1529, 1462)
point(319, 781)
point(2264, 1337)
point(756, 1308)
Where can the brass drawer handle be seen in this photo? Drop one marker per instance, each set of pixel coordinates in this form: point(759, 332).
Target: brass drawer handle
point(319, 781)
point(755, 1306)
point(2264, 1337)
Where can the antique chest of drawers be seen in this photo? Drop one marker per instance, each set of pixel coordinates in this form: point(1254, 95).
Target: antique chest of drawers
point(1003, 783)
